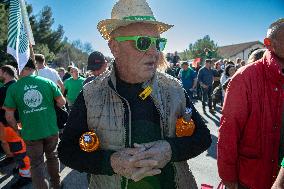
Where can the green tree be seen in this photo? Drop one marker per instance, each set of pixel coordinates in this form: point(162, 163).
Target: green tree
point(43, 33)
point(71, 53)
point(43, 49)
point(47, 41)
point(4, 57)
point(197, 49)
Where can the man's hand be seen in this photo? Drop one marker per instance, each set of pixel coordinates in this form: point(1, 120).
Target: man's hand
point(279, 182)
point(159, 151)
point(123, 164)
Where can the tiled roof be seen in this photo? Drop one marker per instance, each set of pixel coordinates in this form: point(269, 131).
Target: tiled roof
point(231, 50)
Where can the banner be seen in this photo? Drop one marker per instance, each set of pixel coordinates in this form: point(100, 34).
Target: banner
point(18, 39)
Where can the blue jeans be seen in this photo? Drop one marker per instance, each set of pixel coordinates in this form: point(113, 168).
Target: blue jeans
point(207, 96)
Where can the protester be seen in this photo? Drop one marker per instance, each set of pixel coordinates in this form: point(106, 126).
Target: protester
point(73, 86)
point(97, 64)
point(68, 73)
point(249, 135)
point(224, 77)
point(61, 72)
point(230, 70)
point(188, 78)
point(33, 96)
point(217, 72)
point(175, 58)
point(206, 55)
point(46, 72)
point(256, 55)
point(238, 63)
point(171, 70)
point(133, 110)
point(11, 141)
point(205, 79)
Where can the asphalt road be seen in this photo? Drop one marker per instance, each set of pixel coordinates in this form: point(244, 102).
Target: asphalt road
point(204, 167)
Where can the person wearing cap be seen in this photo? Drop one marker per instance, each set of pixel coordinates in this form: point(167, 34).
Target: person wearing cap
point(251, 135)
point(122, 127)
point(34, 97)
point(97, 64)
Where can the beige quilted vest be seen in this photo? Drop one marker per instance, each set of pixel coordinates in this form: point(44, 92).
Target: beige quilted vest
point(105, 114)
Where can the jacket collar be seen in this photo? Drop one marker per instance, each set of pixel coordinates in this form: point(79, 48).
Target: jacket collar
point(272, 66)
point(153, 83)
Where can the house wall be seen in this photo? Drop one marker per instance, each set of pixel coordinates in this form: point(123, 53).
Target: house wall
point(244, 55)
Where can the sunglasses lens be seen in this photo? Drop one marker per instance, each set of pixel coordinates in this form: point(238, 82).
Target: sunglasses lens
point(161, 44)
point(143, 43)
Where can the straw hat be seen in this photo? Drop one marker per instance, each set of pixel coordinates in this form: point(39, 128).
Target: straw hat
point(126, 12)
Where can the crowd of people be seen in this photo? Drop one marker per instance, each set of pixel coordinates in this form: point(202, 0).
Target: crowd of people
point(208, 82)
point(133, 123)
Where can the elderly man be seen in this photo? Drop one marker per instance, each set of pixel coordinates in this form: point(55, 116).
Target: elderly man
point(133, 110)
point(249, 137)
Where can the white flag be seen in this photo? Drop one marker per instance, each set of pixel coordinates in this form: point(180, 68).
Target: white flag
point(18, 42)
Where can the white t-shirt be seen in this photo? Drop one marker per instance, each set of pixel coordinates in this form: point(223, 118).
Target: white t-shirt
point(49, 73)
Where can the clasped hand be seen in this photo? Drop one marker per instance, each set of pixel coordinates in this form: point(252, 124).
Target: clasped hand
point(141, 161)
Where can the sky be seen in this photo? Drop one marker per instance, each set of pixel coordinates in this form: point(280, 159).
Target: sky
point(227, 22)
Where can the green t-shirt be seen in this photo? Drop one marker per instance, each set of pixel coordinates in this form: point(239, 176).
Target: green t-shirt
point(34, 96)
point(1, 84)
point(73, 88)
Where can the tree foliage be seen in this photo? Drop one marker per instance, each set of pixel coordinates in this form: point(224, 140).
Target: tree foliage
point(196, 50)
point(48, 41)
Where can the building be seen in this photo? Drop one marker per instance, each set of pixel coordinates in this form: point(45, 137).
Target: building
point(242, 50)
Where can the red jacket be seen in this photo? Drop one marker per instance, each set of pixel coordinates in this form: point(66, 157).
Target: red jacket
point(249, 134)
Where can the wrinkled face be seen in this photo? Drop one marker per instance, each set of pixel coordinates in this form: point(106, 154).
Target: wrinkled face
point(134, 66)
point(278, 43)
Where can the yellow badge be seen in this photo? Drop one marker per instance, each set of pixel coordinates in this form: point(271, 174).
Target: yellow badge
point(147, 91)
point(89, 141)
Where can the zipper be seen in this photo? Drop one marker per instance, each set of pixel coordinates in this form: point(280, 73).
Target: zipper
point(129, 127)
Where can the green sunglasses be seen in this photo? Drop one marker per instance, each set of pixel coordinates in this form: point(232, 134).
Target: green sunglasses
point(143, 43)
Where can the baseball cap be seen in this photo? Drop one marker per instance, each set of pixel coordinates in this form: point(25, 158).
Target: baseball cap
point(96, 60)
